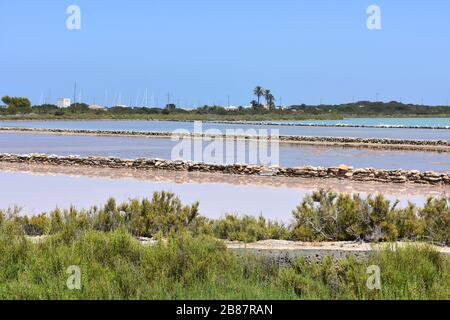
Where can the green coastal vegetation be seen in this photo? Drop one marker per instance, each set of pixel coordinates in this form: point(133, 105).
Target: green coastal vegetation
point(321, 216)
point(113, 265)
point(262, 108)
point(188, 259)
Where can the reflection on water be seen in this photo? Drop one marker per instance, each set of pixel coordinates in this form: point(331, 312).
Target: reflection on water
point(291, 155)
point(41, 188)
point(284, 130)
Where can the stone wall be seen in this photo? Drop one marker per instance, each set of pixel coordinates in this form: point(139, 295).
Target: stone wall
point(341, 172)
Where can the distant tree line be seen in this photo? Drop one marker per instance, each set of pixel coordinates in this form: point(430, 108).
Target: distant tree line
point(22, 106)
point(369, 108)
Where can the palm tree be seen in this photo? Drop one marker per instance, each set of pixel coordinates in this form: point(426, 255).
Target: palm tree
point(272, 101)
point(269, 98)
point(259, 92)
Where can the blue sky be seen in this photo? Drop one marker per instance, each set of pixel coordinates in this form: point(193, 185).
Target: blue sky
point(201, 50)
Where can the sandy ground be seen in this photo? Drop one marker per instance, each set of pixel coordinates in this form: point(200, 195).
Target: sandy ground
point(285, 251)
point(325, 246)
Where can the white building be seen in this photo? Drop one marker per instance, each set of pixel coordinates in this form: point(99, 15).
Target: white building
point(63, 103)
point(231, 108)
point(96, 107)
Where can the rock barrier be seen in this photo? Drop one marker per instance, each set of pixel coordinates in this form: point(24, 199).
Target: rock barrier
point(341, 172)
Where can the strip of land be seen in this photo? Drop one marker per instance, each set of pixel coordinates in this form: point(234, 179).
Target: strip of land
point(187, 177)
point(413, 190)
point(342, 172)
point(284, 252)
point(370, 143)
point(335, 125)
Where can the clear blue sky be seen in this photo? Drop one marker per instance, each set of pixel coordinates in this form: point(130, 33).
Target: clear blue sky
point(202, 50)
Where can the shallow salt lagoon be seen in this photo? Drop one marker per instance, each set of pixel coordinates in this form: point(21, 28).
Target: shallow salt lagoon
point(170, 126)
point(38, 189)
point(290, 155)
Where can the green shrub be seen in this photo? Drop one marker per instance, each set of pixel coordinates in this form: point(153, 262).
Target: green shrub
point(164, 214)
point(327, 216)
point(248, 229)
point(412, 272)
point(436, 219)
point(37, 225)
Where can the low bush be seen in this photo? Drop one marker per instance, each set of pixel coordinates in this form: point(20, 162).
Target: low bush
point(328, 216)
point(248, 229)
point(411, 272)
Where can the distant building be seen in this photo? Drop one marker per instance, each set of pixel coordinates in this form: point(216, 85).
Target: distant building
point(97, 107)
point(63, 103)
point(230, 108)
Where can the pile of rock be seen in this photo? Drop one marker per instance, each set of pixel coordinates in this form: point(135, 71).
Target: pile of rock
point(341, 172)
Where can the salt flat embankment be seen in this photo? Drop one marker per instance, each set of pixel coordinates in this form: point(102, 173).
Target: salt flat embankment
point(374, 143)
point(333, 125)
point(342, 172)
